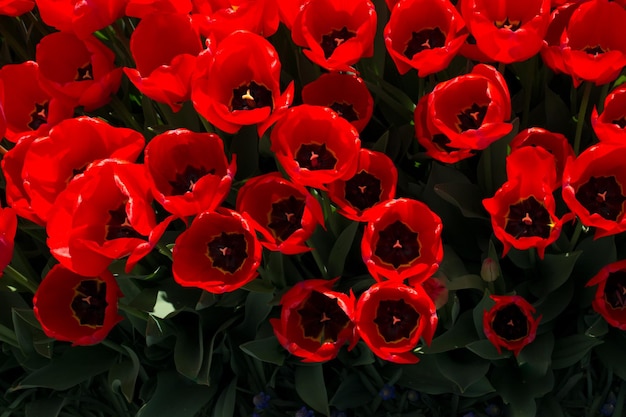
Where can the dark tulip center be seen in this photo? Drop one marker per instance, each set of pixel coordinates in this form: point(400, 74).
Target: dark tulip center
point(602, 195)
point(228, 251)
point(472, 117)
point(84, 73)
point(314, 157)
point(322, 318)
point(363, 190)
point(528, 218)
point(345, 110)
point(424, 39)
point(397, 245)
point(396, 320)
point(119, 226)
point(89, 303)
point(510, 323)
point(595, 50)
point(39, 115)
point(251, 96)
point(332, 40)
point(621, 122)
point(511, 25)
point(471, 40)
point(441, 142)
point(286, 216)
point(185, 180)
point(615, 290)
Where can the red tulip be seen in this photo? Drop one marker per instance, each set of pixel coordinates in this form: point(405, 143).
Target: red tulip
point(80, 17)
point(510, 323)
point(220, 18)
point(593, 188)
point(8, 228)
point(609, 300)
point(335, 35)
point(470, 110)
point(345, 93)
point(285, 214)
point(424, 34)
point(164, 47)
point(239, 84)
point(523, 209)
point(218, 253)
point(391, 318)
point(188, 171)
point(315, 322)
point(374, 182)
point(288, 10)
point(610, 124)
point(507, 30)
point(592, 44)
point(555, 143)
point(104, 214)
point(27, 106)
point(75, 308)
point(551, 52)
point(315, 146)
point(144, 8)
point(15, 7)
point(402, 240)
point(80, 71)
point(53, 160)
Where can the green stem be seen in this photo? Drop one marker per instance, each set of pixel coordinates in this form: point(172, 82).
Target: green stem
point(318, 261)
point(121, 111)
point(488, 169)
point(8, 336)
point(132, 311)
point(581, 117)
point(528, 93)
point(11, 272)
point(603, 93)
point(501, 67)
point(164, 250)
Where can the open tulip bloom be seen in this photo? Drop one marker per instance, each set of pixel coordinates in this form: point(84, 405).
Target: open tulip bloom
point(304, 208)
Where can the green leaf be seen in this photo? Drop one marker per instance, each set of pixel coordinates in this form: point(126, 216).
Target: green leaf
point(256, 310)
point(350, 394)
point(467, 197)
point(461, 334)
point(245, 145)
point(176, 396)
point(535, 358)
point(555, 302)
point(569, 350)
point(467, 281)
point(310, 386)
point(266, 350)
point(554, 271)
point(514, 391)
point(189, 348)
point(464, 371)
point(124, 374)
point(77, 364)
point(484, 305)
point(225, 406)
point(486, 350)
point(45, 407)
point(341, 248)
point(492, 164)
point(426, 377)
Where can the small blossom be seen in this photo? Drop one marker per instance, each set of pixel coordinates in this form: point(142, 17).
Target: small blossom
point(607, 409)
point(493, 410)
point(261, 401)
point(304, 412)
point(470, 414)
point(387, 392)
point(413, 395)
point(489, 270)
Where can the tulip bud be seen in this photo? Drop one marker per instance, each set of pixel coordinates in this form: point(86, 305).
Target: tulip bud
point(489, 271)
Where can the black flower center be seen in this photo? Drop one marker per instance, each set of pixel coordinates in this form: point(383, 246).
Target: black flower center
point(511, 25)
point(39, 116)
point(345, 110)
point(314, 157)
point(228, 251)
point(322, 318)
point(424, 39)
point(363, 190)
point(528, 218)
point(185, 181)
point(89, 303)
point(471, 118)
point(602, 195)
point(397, 245)
point(621, 122)
point(84, 73)
point(615, 290)
point(510, 323)
point(119, 226)
point(251, 96)
point(286, 216)
point(441, 142)
point(331, 41)
point(396, 320)
point(595, 50)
